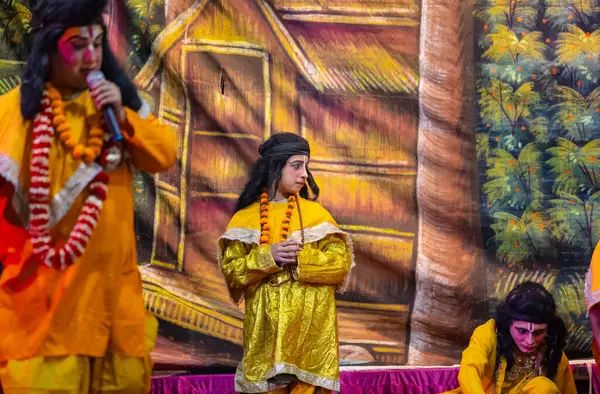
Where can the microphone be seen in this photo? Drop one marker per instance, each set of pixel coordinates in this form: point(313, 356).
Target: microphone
point(110, 119)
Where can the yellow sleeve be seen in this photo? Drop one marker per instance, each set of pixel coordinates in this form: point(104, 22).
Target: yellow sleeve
point(592, 280)
point(151, 144)
point(243, 265)
point(564, 379)
point(326, 262)
point(476, 357)
point(15, 136)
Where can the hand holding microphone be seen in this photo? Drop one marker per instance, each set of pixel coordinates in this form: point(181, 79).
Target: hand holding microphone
point(107, 97)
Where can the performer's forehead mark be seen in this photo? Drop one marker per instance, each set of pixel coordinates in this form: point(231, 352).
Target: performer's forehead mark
point(82, 32)
point(72, 32)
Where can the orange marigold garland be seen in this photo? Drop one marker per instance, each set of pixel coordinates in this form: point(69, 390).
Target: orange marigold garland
point(39, 193)
point(264, 219)
point(96, 135)
point(285, 223)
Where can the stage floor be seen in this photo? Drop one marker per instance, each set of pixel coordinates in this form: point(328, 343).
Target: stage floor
point(365, 380)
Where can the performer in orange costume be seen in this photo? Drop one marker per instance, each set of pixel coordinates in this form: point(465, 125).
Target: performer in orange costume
point(72, 316)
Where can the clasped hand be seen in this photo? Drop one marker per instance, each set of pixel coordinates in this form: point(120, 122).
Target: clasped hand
point(286, 253)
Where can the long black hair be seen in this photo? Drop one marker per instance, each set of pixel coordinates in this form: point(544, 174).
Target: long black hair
point(50, 18)
point(530, 302)
point(266, 173)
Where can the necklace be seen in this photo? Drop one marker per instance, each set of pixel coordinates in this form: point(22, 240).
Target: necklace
point(39, 196)
point(524, 365)
point(265, 234)
point(95, 142)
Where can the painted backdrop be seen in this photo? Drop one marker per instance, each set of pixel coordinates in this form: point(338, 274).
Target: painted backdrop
point(384, 90)
point(538, 147)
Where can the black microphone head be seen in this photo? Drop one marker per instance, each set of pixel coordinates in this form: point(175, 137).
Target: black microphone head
point(94, 77)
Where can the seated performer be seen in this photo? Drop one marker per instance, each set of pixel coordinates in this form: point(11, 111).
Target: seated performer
point(285, 255)
point(592, 296)
point(72, 316)
point(521, 351)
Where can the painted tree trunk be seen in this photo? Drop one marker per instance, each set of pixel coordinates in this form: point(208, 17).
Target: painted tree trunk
point(448, 256)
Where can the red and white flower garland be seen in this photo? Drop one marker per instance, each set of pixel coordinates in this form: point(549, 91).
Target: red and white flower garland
point(39, 199)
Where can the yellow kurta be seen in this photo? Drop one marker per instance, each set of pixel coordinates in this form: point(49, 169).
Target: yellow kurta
point(476, 375)
point(290, 323)
point(95, 306)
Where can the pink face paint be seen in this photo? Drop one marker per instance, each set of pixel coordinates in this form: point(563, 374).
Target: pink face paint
point(76, 40)
point(65, 47)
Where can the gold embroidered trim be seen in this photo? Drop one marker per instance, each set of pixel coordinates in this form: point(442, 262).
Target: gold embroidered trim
point(61, 202)
point(591, 299)
point(9, 170)
point(240, 234)
point(244, 386)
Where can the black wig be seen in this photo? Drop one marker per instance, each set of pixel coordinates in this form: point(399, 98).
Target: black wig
point(530, 302)
point(266, 173)
point(50, 18)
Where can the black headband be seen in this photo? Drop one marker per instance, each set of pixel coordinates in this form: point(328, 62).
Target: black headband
point(288, 149)
point(542, 319)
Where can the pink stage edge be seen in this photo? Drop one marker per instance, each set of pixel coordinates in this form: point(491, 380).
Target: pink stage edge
point(404, 380)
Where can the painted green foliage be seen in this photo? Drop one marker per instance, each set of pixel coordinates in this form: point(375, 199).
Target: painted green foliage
point(539, 145)
point(146, 18)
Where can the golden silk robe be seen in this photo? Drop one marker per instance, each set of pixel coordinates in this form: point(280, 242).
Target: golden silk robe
point(478, 363)
point(290, 322)
point(95, 306)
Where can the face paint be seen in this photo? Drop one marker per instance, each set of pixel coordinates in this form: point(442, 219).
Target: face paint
point(528, 336)
point(78, 44)
point(79, 53)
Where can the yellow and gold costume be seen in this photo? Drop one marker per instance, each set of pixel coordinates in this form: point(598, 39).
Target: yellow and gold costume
point(54, 321)
point(290, 323)
point(478, 376)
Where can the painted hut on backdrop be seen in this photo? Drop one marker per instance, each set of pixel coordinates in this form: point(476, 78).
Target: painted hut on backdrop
point(343, 74)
